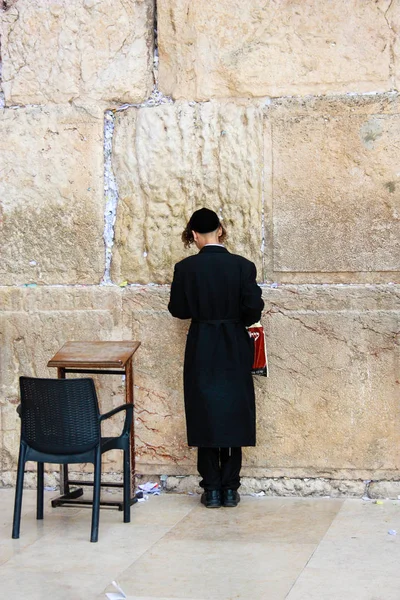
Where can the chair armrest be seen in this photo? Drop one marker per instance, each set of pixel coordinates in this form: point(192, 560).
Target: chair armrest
point(128, 418)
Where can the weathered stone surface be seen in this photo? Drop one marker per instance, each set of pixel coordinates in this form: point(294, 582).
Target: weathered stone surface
point(44, 320)
point(384, 489)
point(77, 50)
point(282, 486)
point(393, 19)
point(334, 212)
point(231, 48)
point(51, 196)
point(331, 405)
point(37, 322)
point(159, 415)
point(173, 159)
point(188, 484)
point(51, 478)
point(328, 411)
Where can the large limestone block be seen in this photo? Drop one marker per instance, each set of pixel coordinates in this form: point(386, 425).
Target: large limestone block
point(51, 196)
point(38, 321)
point(77, 50)
point(334, 212)
point(33, 327)
point(161, 443)
point(173, 159)
point(331, 406)
point(35, 323)
point(233, 48)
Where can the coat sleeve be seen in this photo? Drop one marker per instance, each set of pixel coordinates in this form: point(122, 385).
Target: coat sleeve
point(178, 304)
point(251, 301)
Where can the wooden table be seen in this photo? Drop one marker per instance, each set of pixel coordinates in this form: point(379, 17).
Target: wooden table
point(97, 358)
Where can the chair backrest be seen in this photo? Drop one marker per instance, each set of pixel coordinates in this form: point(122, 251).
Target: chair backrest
point(59, 416)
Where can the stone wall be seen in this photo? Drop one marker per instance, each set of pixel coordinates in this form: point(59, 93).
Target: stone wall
point(284, 117)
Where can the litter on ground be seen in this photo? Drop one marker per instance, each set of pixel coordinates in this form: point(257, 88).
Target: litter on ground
point(118, 595)
point(150, 488)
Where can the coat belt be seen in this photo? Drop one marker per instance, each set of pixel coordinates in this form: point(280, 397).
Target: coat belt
point(216, 321)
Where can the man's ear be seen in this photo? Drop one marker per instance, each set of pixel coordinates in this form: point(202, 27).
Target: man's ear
point(219, 233)
point(195, 236)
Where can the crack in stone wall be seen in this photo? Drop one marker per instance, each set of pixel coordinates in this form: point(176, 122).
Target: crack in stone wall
point(155, 53)
point(7, 4)
point(155, 99)
point(110, 193)
point(263, 192)
point(2, 99)
point(391, 51)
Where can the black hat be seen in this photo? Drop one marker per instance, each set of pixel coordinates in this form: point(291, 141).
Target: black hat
point(204, 220)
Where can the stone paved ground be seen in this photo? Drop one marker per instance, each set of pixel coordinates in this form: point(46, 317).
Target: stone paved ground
point(275, 548)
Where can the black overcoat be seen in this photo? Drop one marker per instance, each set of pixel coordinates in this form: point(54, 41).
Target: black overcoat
point(218, 291)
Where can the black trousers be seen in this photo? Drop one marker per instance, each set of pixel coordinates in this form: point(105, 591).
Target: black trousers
point(219, 468)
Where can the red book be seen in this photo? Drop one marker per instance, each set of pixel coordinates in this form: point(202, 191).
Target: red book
point(260, 364)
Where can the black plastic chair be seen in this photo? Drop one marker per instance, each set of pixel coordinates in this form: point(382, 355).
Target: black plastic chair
point(61, 423)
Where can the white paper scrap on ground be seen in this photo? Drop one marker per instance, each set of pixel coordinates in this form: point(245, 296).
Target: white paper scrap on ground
point(118, 595)
point(392, 532)
point(150, 488)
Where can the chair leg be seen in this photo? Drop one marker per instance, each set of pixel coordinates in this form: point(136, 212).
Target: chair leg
point(127, 485)
point(39, 491)
point(94, 536)
point(64, 478)
point(18, 493)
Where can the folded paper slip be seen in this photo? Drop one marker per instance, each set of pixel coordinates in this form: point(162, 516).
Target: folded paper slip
point(150, 488)
point(118, 595)
point(260, 364)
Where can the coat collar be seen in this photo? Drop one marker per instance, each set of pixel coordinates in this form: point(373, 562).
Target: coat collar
point(212, 248)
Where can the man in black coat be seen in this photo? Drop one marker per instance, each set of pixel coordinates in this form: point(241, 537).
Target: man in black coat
point(218, 291)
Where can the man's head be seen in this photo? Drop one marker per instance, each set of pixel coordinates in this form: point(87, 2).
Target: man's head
point(204, 227)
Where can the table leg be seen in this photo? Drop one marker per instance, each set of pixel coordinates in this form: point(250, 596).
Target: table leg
point(129, 392)
point(64, 485)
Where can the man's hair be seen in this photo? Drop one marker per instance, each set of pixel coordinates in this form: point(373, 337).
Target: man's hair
point(188, 239)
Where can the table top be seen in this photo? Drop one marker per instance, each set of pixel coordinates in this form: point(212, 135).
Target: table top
point(94, 354)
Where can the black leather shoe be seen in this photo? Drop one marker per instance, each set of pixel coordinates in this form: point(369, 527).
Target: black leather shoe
point(230, 498)
point(211, 498)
